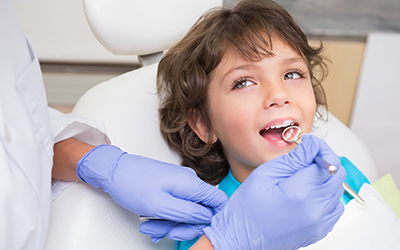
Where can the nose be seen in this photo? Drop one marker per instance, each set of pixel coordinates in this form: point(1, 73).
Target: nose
point(276, 95)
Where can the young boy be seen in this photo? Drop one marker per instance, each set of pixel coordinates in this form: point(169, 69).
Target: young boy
point(232, 85)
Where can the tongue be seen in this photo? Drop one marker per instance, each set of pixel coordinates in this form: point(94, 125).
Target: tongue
point(274, 134)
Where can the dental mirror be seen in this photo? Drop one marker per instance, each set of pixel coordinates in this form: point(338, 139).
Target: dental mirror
point(292, 134)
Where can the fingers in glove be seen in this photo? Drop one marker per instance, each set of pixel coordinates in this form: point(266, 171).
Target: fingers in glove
point(157, 228)
point(333, 203)
point(184, 232)
point(202, 193)
point(314, 188)
point(182, 211)
point(304, 153)
point(156, 239)
point(311, 146)
point(307, 183)
point(299, 158)
point(329, 221)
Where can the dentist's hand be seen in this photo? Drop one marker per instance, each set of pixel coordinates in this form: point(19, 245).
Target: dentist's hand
point(286, 203)
point(152, 188)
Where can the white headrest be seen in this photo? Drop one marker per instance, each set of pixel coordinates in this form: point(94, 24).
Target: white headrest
point(141, 27)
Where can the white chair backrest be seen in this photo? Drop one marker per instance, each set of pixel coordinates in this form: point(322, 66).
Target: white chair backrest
point(138, 27)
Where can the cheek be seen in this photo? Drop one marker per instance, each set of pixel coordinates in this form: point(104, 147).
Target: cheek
point(312, 104)
point(309, 110)
point(224, 122)
point(229, 121)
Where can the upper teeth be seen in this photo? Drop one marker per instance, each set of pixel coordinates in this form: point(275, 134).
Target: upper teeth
point(281, 125)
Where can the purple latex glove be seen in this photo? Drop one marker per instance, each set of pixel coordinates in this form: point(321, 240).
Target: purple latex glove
point(151, 188)
point(286, 203)
point(158, 229)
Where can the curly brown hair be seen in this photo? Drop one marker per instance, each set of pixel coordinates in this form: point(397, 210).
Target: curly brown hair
point(183, 73)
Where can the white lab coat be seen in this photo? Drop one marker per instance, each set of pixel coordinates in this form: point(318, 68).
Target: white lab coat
point(26, 139)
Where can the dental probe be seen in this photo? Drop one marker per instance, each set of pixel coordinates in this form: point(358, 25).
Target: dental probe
point(320, 161)
point(293, 134)
point(353, 193)
point(146, 218)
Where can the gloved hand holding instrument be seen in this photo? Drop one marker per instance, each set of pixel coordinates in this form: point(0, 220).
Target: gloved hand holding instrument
point(286, 203)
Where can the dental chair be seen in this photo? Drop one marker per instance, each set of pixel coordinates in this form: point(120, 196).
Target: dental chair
point(85, 218)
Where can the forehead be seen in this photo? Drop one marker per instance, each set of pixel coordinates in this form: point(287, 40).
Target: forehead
point(233, 59)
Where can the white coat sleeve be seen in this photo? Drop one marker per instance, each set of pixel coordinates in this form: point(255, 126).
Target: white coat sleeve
point(64, 126)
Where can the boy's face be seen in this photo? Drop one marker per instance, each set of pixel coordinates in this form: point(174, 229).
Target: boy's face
point(246, 99)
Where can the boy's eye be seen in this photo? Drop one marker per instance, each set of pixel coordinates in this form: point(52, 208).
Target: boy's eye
point(293, 75)
point(242, 83)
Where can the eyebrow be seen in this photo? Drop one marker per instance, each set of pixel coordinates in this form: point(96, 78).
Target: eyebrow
point(294, 59)
point(251, 65)
point(240, 67)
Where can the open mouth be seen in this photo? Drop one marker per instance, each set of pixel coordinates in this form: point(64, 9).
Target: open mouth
point(274, 133)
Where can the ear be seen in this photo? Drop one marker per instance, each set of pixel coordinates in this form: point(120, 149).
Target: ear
point(198, 125)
